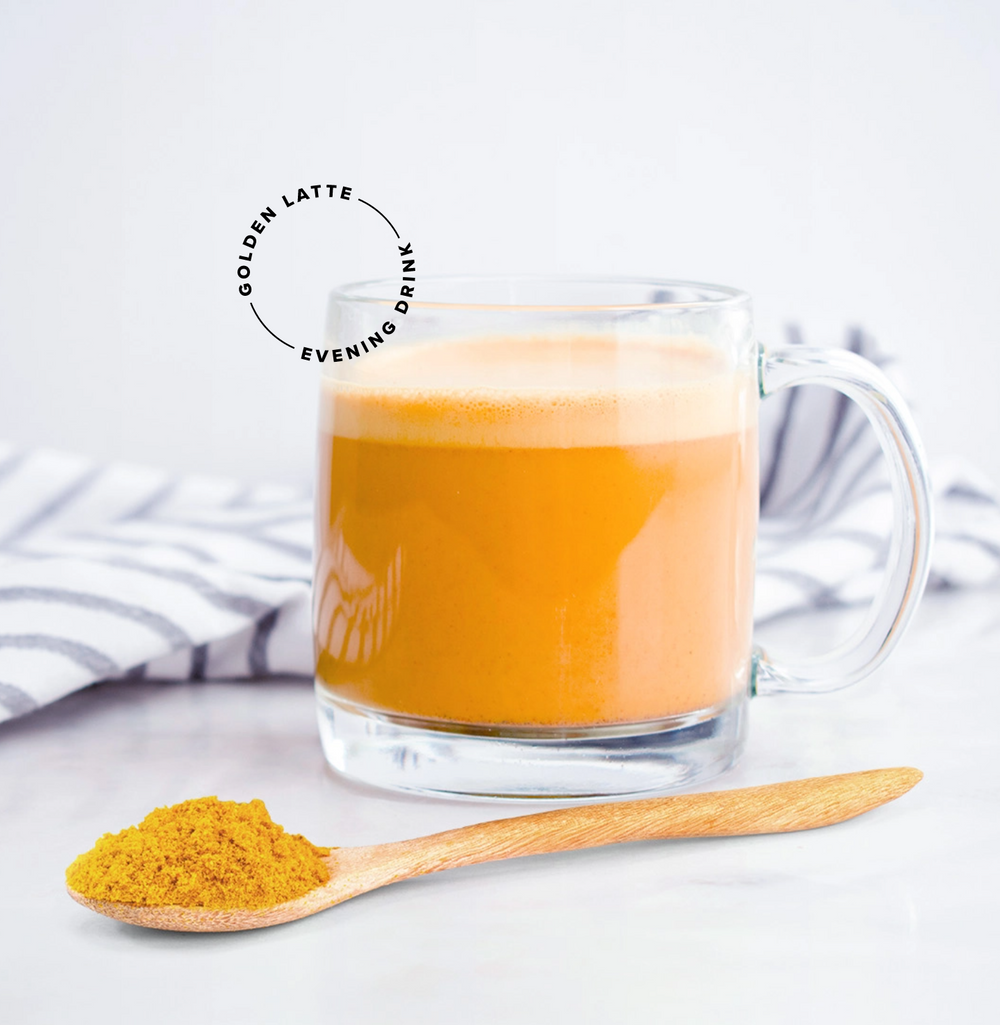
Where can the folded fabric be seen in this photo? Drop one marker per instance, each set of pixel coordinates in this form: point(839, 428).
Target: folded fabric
point(826, 504)
point(117, 571)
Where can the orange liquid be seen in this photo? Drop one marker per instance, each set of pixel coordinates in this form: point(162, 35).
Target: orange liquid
point(552, 555)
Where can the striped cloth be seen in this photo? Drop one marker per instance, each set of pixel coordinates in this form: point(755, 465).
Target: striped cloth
point(116, 571)
point(826, 504)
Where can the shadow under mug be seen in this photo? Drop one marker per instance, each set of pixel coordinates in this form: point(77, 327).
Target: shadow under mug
point(536, 516)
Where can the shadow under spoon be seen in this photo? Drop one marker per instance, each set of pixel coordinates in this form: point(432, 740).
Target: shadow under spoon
point(776, 808)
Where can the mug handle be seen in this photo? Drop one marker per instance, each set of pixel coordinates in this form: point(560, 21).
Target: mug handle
point(912, 529)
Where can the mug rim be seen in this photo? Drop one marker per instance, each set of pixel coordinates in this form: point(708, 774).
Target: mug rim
point(710, 296)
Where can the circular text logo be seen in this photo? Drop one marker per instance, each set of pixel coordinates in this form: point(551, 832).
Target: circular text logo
point(296, 200)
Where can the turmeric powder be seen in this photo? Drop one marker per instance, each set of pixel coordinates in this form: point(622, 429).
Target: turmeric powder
point(203, 853)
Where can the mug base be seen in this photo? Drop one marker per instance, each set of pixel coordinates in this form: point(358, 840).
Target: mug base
point(457, 760)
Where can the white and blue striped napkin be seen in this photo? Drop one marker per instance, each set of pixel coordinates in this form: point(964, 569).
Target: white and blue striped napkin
point(119, 571)
point(116, 571)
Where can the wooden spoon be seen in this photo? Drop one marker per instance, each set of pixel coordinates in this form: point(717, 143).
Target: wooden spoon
point(778, 808)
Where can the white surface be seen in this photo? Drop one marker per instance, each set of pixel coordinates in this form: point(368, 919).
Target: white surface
point(837, 159)
point(889, 918)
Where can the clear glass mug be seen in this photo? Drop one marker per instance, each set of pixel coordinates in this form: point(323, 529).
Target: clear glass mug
point(536, 515)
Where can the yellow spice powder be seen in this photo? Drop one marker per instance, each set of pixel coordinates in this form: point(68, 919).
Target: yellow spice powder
point(203, 853)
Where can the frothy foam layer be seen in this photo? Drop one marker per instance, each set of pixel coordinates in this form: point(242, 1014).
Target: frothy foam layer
point(540, 393)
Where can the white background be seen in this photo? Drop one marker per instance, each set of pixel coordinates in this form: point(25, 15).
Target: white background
point(838, 160)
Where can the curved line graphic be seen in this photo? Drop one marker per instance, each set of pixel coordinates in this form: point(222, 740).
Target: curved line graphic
point(268, 330)
point(382, 215)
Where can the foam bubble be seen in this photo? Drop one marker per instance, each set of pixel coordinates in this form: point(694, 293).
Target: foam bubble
point(540, 393)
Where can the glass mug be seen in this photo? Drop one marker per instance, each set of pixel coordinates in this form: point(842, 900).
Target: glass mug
point(536, 514)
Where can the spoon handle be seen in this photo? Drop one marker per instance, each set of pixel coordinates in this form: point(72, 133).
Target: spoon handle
point(776, 808)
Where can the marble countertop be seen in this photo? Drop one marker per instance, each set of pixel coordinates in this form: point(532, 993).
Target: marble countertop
point(888, 918)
